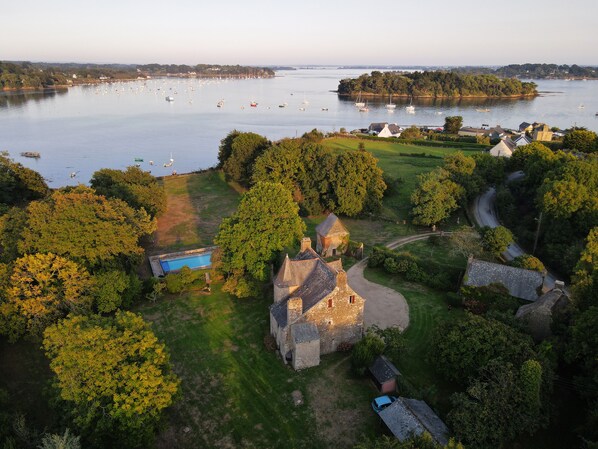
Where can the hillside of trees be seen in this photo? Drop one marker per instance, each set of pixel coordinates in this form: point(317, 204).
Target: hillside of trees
point(436, 84)
point(28, 75)
point(534, 71)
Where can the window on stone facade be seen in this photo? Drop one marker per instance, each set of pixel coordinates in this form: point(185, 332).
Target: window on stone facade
point(352, 299)
point(330, 303)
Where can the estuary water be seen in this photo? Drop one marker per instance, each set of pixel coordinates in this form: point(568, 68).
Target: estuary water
point(85, 128)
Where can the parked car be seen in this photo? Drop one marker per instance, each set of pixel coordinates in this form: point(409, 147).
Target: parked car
point(381, 402)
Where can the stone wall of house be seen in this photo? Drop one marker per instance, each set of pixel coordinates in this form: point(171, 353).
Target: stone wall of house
point(326, 245)
point(340, 320)
point(306, 354)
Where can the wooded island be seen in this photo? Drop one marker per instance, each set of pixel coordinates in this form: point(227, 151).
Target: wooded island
point(435, 84)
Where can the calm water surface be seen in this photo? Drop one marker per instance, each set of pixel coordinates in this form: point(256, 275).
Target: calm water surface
point(91, 127)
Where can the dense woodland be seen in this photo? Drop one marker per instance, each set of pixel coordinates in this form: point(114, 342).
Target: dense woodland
point(435, 84)
point(38, 75)
point(535, 71)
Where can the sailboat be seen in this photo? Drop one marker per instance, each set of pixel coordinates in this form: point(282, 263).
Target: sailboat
point(390, 106)
point(410, 109)
point(359, 103)
point(364, 108)
point(170, 162)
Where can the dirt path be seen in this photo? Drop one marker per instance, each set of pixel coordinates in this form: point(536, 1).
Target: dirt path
point(384, 307)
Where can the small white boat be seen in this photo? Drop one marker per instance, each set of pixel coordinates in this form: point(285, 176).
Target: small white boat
point(581, 106)
point(220, 104)
point(410, 109)
point(283, 105)
point(324, 109)
point(169, 98)
point(390, 106)
point(170, 162)
point(364, 108)
point(482, 110)
point(359, 103)
point(302, 109)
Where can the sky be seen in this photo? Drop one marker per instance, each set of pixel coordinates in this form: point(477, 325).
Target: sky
point(283, 32)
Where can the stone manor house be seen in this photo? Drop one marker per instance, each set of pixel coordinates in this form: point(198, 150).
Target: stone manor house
point(314, 308)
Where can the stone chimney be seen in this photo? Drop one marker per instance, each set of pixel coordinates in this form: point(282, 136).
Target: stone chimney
point(305, 244)
point(560, 285)
point(294, 310)
point(341, 278)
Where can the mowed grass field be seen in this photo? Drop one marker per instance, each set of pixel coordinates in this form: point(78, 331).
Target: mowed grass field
point(428, 309)
point(235, 393)
point(197, 202)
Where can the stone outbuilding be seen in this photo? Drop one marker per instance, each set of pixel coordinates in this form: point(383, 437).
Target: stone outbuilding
point(539, 315)
point(521, 283)
point(332, 238)
point(314, 308)
point(408, 417)
point(384, 374)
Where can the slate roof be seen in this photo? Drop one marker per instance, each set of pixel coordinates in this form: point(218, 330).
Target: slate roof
point(539, 313)
point(523, 138)
point(383, 370)
point(521, 283)
point(407, 417)
point(315, 278)
point(394, 128)
point(377, 127)
point(304, 332)
point(524, 125)
point(331, 226)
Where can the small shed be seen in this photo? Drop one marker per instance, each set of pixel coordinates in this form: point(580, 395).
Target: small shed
point(306, 345)
point(384, 374)
point(407, 417)
point(332, 238)
point(538, 316)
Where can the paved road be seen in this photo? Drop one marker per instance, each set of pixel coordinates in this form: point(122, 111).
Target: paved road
point(484, 213)
point(384, 306)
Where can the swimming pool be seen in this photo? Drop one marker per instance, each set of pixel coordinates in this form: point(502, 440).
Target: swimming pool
point(202, 260)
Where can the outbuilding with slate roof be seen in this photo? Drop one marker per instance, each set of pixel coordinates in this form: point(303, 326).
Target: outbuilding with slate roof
point(384, 374)
point(408, 417)
point(521, 283)
point(314, 308)
point(332, 238)
point(538, 316)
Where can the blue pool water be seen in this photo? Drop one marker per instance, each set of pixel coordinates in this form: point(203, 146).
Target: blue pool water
point(194, 261)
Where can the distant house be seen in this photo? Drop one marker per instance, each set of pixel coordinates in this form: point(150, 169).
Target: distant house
point(384, 374)
point(542, 132)
point(314, 308)
point(538, 316)
point(493, 133)
point(408, 417)
point(504, 148)
point(525, 127)
point(521, 140)
point(521, 283)
point(332, 238)
point(385, 130)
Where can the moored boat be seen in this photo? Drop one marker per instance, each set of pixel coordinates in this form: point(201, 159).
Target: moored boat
point(33, 154)
point(169, 98)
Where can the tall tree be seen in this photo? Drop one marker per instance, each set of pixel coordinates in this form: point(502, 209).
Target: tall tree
point(496, 240)
point(18, 183)
point(581, 140)
point(85, 227)
point(452, 124)
point(266, 221)
point(134, 186)
point(435, 197)
point(245, 148)
point(113, 375)
point(44, 288)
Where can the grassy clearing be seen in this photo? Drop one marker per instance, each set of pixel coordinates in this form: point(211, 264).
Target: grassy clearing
point(237, 394)
point(197, 203)
point(401, 163)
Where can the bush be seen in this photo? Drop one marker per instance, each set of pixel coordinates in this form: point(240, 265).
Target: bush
point(270, 343)
point(180, 281)
point(365, 352)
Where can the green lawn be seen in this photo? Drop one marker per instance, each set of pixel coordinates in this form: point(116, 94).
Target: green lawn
point(237, 394)
point(197, 203)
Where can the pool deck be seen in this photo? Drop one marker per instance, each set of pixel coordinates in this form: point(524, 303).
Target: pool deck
point(155, 260)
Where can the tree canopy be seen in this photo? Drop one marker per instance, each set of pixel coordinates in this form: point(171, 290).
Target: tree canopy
point(581, 140)
point(435, 197)
point(266, 221)
point(244, 149)
point(113, 375)
point(85, 227)
point(452, 124)
point(42, 289)
point(496, 240)
point(18, 183)
point(134, 186)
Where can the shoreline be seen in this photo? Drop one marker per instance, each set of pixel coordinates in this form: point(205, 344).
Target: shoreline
point(443, 97)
